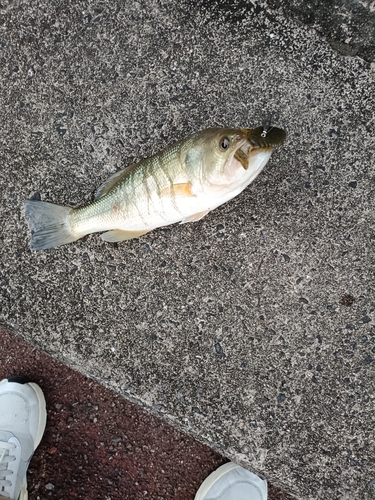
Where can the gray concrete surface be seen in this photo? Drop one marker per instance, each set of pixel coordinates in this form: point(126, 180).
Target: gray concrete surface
point(253, 329)
point(348, 25)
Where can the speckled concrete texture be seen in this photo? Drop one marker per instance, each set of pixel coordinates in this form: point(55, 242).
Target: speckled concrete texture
point(348, 25)
point(252, 329)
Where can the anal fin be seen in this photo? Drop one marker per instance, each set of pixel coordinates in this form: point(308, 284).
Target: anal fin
point(121, 235)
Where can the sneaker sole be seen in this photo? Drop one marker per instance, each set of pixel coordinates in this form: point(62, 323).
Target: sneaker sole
point(42, 413)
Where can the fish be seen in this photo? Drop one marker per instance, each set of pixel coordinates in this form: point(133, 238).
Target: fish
point(182, 183)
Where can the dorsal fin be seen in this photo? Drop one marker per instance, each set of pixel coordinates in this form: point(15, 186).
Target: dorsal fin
point(110, 183)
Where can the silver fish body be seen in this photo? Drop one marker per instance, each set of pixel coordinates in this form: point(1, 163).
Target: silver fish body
point(180, 184)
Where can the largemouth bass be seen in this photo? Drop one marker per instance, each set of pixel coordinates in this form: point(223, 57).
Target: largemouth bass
point(180, 184)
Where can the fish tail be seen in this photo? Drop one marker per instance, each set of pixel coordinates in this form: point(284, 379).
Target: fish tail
point(49, 224)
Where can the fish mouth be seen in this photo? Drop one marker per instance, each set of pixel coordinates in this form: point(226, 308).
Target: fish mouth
point(258, 139)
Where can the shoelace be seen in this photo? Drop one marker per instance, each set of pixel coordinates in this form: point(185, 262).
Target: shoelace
point(5, 458)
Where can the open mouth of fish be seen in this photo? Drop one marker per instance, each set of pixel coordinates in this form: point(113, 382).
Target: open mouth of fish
point(258, 138)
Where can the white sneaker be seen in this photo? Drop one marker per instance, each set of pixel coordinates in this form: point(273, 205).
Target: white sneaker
point(22, 422)
point(232, 482)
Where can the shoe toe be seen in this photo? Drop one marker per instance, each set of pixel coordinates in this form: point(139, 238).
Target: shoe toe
point(232, 482)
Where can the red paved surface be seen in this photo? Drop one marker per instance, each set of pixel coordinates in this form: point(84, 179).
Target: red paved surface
point(99, 446)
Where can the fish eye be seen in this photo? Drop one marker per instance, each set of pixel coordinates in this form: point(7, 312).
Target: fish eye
point(224, 143)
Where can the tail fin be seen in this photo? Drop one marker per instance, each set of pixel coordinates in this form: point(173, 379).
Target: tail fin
point(49, 224)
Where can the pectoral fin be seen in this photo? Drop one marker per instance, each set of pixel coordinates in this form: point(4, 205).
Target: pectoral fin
point(177, 190)
point(195, 217)
point(120, 235)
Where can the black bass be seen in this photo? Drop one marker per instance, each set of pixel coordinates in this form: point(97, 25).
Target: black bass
point(181, 184)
